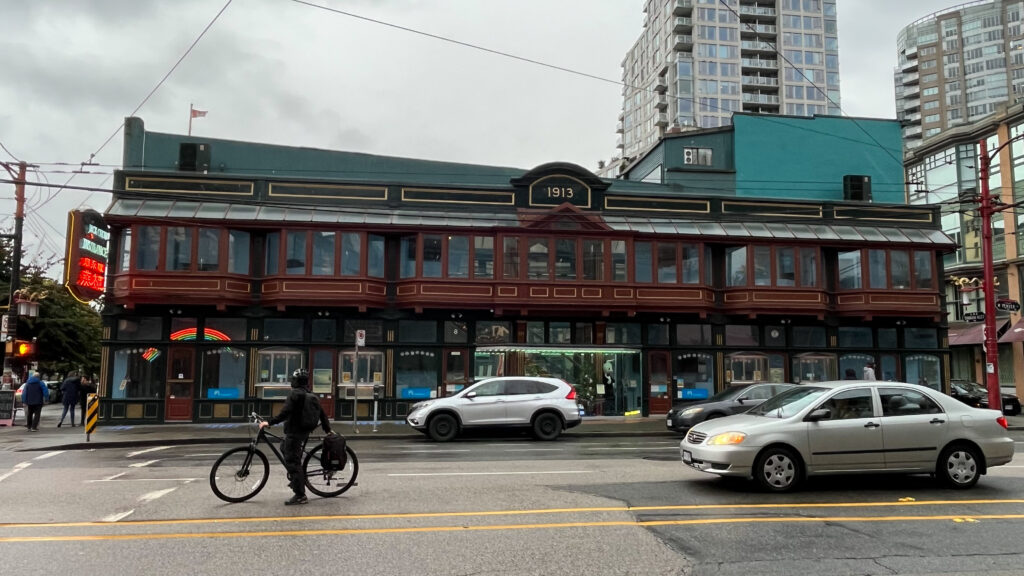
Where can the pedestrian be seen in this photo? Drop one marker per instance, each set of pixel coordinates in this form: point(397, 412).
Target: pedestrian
point(850, 374)
point(296, 434)
point(69, 390)
point(85, 388)
point(869, 371)
point(33, 396)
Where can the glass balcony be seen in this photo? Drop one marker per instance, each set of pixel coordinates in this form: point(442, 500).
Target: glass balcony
point(757, 11)
point(682, 24)
point(761, 98)
point(763, 64)
point(682, 8)
point(911, 78)
point(757, 46)
point(683, 42)
point(760, 81)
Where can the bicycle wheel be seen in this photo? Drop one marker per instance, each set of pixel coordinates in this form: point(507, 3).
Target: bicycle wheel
point(239, 475)
point(329, 483)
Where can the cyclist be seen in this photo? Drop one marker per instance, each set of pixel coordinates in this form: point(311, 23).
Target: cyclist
point(295, 435)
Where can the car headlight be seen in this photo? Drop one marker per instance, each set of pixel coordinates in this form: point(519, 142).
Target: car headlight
point(726, 439)
point(421, 405)
point(690, 412)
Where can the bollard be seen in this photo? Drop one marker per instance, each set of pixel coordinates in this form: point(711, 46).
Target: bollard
point(92, 412)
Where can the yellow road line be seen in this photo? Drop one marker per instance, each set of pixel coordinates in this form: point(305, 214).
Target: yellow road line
point(486, 513)
point(424, 529)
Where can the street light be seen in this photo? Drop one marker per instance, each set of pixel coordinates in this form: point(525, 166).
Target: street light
point(986, 210)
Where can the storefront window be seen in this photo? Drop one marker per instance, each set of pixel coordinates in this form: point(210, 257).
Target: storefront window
point(620, 271)
point(642, 261)
point(850, 274)
point(691, 264)
point(736, 266)
point(537, 259)
point(593, 260)
point(923, 369)
point(921, 338)
point(232, 329)
point(375, 256)
point(224, 373)
point(455, 332)
point(483, 257)
point(900, 269)
point(745, 368)
point(813, 367)
point(809, 337)
point(855, 337)
point(887, 338)
point(657, 335)
point(419, 331)
point(785, 267)
point(351, 253)
point(694, 375)
point(431, 256)
point(876, 269)
point(458, 257)
point(510, 258)
point(138, 373)
point(324, 330)
point(622, 334)
point(295, 253)
point(407, 257)
point(693, 334)
point(282, 329)
point(238, 252)
point(417, 374)
point(584, 333)
point(277, 364)
point(147, 247)
point(374, 330)
point(322, 375)
point(851, 366)
point(179, 248)
point(323, 253)
point(534, 332)
point(273, 252)
point(565, 259)
point(209, 250)
point(808, 267)
point(762, 266)
point(489, 364)
point(493, 333)
point(126, 250)
point(455, 371)
point(139, 328)
point(742, 335)
point(560, 333)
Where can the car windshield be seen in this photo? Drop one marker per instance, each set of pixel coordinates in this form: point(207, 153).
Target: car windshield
point(789, 402)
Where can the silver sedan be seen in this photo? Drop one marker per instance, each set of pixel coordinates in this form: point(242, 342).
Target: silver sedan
point(847, 427)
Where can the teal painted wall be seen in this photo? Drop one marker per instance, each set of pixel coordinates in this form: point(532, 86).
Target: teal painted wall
point(806, 158)
point(715, 179)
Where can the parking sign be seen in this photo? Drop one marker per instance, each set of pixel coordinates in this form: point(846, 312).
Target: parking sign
point(360, 337)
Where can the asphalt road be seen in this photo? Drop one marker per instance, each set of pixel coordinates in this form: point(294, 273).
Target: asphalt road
point(495, 506)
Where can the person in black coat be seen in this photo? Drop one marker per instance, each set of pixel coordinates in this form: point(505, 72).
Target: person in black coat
point(69, 392)
point(294, 435)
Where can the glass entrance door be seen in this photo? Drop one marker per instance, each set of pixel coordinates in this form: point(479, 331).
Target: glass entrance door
point(659, 380)
point(181, 363)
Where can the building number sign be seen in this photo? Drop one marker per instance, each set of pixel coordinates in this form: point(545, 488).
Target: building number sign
point(556, 190)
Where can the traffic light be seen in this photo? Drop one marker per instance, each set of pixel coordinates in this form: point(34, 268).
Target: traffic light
point(23, 348)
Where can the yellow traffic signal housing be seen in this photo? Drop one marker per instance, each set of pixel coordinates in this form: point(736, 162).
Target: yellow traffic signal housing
point(23, 348)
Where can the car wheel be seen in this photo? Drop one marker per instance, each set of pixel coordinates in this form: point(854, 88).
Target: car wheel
point(442, 428)
point(547, 426)
point(777, 469)
point(959, 466)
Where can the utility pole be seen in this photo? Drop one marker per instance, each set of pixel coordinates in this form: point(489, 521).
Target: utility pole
point(19, 220)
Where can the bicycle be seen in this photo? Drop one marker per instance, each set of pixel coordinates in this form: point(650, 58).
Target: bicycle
point(246, 469)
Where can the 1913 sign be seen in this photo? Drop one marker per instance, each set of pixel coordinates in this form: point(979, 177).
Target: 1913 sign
point(556, 190)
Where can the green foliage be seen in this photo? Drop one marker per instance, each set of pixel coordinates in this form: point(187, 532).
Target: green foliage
point(67, 332)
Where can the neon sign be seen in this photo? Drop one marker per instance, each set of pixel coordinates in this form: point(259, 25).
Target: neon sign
point(88, 250)
point(192, 334)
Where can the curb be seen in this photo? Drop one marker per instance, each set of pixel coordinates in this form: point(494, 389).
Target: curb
point(245, 440)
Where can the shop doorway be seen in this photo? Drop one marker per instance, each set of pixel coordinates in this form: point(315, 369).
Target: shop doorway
point(181, 364)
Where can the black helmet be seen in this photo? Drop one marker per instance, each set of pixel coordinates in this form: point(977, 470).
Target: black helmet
point(300, 378)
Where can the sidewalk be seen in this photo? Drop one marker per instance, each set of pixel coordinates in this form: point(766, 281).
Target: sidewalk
point(49, 437)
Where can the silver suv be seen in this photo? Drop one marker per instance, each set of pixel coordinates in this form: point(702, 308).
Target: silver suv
point(546, 406)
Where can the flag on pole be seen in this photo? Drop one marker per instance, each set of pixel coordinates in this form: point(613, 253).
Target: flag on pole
point(198, 113)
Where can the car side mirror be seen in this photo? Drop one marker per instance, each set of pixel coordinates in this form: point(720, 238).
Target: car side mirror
point(819, 414)
point(470, 395)
point(742, 400)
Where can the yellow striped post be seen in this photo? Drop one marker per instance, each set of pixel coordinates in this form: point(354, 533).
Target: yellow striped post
point(92, 411)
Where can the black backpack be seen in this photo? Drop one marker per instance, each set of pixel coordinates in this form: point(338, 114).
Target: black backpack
point(310, 412)
point(334, 457)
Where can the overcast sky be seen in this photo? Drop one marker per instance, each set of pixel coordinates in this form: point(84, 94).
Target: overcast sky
point(281, 72)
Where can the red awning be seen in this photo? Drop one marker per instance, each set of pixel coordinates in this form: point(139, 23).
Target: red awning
point(1015, 333)
point(972, 333)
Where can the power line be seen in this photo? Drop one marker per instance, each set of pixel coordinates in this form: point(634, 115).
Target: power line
point(16, 159)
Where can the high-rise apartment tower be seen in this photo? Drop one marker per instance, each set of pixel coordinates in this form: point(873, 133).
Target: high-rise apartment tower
point(957, 65)
point(698, 61)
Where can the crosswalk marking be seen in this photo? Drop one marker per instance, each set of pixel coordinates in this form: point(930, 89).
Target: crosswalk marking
point(154, 449)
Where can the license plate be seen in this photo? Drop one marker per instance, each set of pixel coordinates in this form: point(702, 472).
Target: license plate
point(687, 457)
point(668, 421)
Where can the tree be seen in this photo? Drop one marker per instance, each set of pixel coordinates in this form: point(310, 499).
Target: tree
point(67, 332)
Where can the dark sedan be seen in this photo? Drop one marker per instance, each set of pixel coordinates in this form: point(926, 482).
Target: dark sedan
point(974, 394)
point(729, 401)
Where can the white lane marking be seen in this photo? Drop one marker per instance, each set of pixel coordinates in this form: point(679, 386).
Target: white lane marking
point(537, 450)
point(492, 473)
point(150, 496)
point(198, 455)
point(17, 468)
point(137, 452)
point(673, 448)
point(142, 464)
point(186, 480)
point(49, 455)
point(118, 475)
point(116, 517)
point(430, 451)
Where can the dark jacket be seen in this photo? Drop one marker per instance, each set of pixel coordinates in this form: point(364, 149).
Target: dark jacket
point(34, 392)
point(291, 414)
point(69, 389)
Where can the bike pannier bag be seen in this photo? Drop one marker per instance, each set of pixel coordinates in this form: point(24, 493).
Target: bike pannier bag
point(334, 456)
